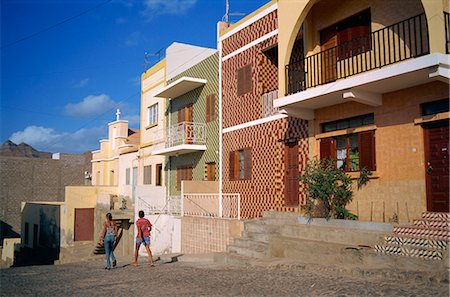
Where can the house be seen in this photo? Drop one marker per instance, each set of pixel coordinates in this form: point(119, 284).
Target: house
point(263, 149)
point(372, 80)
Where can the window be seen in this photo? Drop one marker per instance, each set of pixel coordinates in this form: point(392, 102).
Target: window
point(351, 152)
point(210, 108)
point(434, 107)
point(211, 171)
point(244, 80)
point(158, 174)
point(152, 113)
point(183, 173)
point(241, 164)
point(127, 176)
point(363, 120)
point(147, 175)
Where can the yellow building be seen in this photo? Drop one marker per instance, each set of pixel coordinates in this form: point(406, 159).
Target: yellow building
point(105, 161)
point(372, 79)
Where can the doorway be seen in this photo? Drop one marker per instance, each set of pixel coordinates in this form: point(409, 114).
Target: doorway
point(292, 174)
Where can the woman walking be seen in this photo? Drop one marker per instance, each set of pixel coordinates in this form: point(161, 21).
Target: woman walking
point(108, 236)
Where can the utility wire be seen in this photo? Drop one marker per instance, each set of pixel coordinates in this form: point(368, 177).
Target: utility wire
point(56, 25)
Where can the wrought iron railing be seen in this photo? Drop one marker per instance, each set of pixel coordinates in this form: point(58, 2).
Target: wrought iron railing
point(395, 43)
point(447, 32)
point(186, 133)
point(170, 206)
point(227, 206)
point(267, 103)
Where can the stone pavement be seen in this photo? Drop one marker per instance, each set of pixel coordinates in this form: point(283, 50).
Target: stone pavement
point(210, 279)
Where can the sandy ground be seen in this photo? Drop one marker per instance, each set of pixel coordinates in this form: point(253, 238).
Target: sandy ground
point(206, 279)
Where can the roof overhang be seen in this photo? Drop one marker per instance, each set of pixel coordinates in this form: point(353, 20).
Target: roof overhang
point(180, 86)
point(180, 150)
point(367, 87)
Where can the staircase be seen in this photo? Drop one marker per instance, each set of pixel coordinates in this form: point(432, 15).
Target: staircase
point(121, 224)
point(427, 238)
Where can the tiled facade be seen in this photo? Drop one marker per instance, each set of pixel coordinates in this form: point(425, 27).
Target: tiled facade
point(266, 188)
point(206, 69)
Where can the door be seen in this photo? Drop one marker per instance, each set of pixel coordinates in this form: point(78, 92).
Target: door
point(84, 224)
point(329, 42)
point(292, 174)
point(437, 166)
point(186, 115)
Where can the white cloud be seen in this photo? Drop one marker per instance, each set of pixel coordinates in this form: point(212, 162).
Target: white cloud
point(133, 120)
point(133, 39)
point(81, 83)
point(47, 139)
point(174, 7)
point(121, 21)
point(91, 105)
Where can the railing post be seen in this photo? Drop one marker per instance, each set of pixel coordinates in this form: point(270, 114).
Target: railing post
point(220, 205)
point(239, 205)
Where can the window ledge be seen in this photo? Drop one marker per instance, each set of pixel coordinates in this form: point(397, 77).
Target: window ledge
point(432, 118)
point(346, 131)
point(151, 126)
point(355, 175)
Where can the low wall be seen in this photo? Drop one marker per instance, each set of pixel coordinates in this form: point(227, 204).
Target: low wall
point(165, 234)
point(205, 235)
point(199, 187)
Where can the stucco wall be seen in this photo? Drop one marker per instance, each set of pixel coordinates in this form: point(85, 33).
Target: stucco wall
point(399, 186)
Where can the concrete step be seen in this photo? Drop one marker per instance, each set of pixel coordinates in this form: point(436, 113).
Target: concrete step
point(333, 235)
point(250, 244)
point(291, 216)
point(260, 226)
point(256, 236)
point(248, 252)
point(416, 242)
point(421, 232)
point(410, 252)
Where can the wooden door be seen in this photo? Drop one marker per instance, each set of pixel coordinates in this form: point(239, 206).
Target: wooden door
point(186, 115)
point(84, 224)
point(437, 166)
point(328, 59)
point(292, 174)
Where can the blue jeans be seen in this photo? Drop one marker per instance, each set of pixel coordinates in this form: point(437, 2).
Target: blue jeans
point(109, 244)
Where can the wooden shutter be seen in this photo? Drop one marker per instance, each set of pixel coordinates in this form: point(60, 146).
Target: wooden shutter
point(367, 150)
point(327, 148)
point(244, 80)
point(179, 177)
point(248, 163)
point(210, 107)
point(181, 115)
point(232, 154)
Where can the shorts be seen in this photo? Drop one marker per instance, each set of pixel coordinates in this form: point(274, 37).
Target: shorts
point(146, 240)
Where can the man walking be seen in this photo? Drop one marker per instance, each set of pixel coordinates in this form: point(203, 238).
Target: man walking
point(143, 236)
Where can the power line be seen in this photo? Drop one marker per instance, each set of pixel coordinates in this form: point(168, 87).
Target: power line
point(56, 25)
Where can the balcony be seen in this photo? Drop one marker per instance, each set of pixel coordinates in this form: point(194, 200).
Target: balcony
point(392, 58)
point(181, 86)
point(184, 138)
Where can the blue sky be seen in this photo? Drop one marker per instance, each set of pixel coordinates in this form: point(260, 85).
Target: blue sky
point(61, 87)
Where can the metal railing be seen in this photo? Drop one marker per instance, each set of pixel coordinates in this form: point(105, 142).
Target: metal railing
point(267, 103)
point(398, 42)
point(227, 206)
point(447, 32)
point(171, 206)
point(186, 133)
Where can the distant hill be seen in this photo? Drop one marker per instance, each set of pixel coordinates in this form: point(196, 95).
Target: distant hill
point(10, 149)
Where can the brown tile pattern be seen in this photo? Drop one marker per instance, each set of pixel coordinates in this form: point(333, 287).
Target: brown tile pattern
point(252, 32)
point(266, 189)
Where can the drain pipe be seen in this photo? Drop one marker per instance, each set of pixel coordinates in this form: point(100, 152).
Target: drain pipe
point(219, 47)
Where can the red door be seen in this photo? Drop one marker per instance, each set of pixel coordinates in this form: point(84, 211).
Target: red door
point(437, 166)
point(292, 174)
point(84, 224)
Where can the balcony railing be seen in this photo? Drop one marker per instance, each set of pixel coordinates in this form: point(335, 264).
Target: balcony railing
point(447, 32)
point(267, 103)
point(186, 133)
point(395, 43)
point(227, 206)
point(169, 206)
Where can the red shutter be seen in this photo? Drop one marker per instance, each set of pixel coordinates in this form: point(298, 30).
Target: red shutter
point(181, 115)
point(212, 107)
point(367, 150)
point(179, 177)
point(232, 165)
point(208, 108)
point(240, 81)
point(248, 79)
point(327, 148)
point(248, 163)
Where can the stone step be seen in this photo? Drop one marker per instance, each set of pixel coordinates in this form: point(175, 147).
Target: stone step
point(410, 252)
point(416, 242)
point(248, 252)
point(256, 236)
point(333, 234)
point(431, 223)
point(260, 226)
point(421, 232)
point(442, 216)
point(292, 216)
point(250, 244)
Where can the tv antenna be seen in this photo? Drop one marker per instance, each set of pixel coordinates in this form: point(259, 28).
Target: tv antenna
point(147, 57)
point(226, 17)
